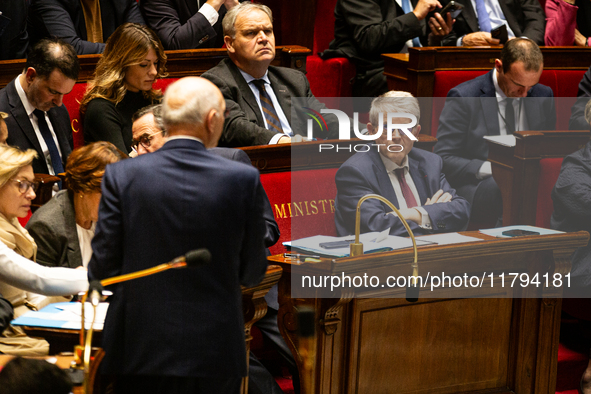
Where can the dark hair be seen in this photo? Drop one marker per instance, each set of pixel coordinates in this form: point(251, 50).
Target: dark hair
point(156, 110)
point(30, 376)
point(50, 54)
point(522, 50)
point(86, 166)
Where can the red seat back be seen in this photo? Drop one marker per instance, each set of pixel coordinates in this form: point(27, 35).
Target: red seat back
point(72, 102)
point(302, 202)
point(549, 171)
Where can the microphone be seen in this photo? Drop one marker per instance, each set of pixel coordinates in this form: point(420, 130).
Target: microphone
point(356, 248)
point(191, 259)
point(197, 257)
point(82, 352)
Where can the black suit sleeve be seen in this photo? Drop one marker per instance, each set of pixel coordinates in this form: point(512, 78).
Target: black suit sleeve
point(6, 313)
point(163, 17)
point(372, 33)
point(103, 123)
point(533, 21)
point(577, 117)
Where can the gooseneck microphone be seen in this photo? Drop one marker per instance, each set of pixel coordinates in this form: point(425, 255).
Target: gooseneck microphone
point(82, 352)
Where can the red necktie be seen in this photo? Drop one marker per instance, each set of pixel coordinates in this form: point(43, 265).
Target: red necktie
point(406, 192)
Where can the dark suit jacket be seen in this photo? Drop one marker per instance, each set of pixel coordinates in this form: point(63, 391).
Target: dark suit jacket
point(6, 313)
point(364, 173)
point(577, 118)
point(364, 29)
point(179, 26)
point(525, 17)
point(245, 125)
point(572, 199)
point(272, 229)
point(464, 121)
point(53, 226)
point(65, 19)
point(157, 207)
point(22, 134)
point(14, 39)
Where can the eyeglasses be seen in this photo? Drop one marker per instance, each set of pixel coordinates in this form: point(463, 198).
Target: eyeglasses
point(24, 185)
point(145, 140)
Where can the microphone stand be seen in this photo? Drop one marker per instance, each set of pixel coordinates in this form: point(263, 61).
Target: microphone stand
point(356, 248)
point(83, 350)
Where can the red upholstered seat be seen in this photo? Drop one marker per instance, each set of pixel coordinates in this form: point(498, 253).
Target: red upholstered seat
point(302, 202)
point(549, 171)
point(72, 103)
point(331, 77)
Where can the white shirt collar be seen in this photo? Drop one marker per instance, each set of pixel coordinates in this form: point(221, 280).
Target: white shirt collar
point(391, 166)
point(183, 137)
point(23, 96)
point(249, 78)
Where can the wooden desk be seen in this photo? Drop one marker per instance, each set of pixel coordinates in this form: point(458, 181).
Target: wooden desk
point(415, 71)
point(181, 63)
point(516, 169)
point(437, 345)
point(254, 307)
point(278, 158)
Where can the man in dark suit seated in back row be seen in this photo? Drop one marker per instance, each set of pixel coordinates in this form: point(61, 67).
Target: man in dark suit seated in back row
point(259, 96)
point(38, 120)
point(506, 99)
point(409, 178)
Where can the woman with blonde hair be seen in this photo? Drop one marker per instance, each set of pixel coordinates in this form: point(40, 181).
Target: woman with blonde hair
point(123, 83)
point(17, 190)
point(63, 228)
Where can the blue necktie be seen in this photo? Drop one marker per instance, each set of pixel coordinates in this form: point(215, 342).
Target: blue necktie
point(407, 8)
point(483, 17)
point(54, 154)
point(269, 112)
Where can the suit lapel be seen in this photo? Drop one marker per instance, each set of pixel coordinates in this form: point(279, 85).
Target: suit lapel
point(510, 18)
point(469, 15)
point(20, 115)
point(384, 182)
point(531, 107)
point(418, 177)
point(59, 125)
point(74, 252)
point(282, 94)
point(489, 105)
point(246, 92)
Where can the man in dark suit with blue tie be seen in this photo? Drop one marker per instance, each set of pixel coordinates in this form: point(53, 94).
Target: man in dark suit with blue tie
point(180, 331)
point(479, 108)
point(409, 178)
point(38, 120)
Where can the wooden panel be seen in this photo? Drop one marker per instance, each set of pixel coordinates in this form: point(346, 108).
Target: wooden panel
point(306, 155)
point(473, 345)
point(416, 72)
point(180, 63)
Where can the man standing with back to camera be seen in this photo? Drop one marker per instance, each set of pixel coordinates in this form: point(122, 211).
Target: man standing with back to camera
point(180, 331)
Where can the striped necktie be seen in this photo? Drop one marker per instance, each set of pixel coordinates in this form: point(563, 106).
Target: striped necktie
point(273, 122)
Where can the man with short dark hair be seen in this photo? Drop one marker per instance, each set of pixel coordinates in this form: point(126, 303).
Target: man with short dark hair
point(258, 95)
point(147, 130)
point(508, 99)
point(38, 118)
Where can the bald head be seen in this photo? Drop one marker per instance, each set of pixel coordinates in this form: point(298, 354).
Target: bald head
point(194, 106)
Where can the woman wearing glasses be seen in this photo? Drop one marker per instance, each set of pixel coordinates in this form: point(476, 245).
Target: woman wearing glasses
point(63, 228)
point(18, 276)
point(122, 84)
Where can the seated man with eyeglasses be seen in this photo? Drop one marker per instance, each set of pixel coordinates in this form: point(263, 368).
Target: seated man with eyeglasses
point(147, 130)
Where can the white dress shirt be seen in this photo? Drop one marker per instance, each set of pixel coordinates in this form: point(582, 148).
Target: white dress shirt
point(391, 167)
point(29, 109)
point(269, 89)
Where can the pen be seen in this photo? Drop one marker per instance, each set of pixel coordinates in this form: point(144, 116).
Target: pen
point(298, 255)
